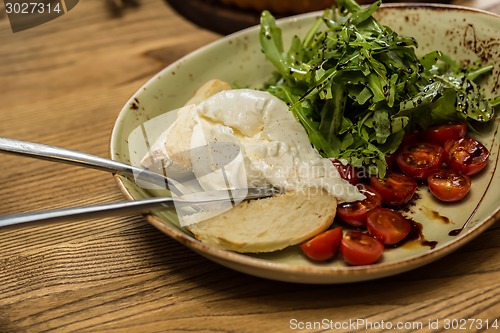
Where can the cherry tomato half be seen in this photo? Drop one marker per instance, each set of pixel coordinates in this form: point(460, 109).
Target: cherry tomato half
point(420, 159)
point(448, 185)
point(354, 213)
point(395, 189)
point(441, 133)
point(466, 155)
point(347, 172)
point(390, 159)
point(323, 246)
point(387, 225)
point(359, 248)
point(411, 138)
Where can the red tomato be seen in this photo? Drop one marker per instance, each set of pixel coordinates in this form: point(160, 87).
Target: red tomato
point(354, 213)
point(359, 248)
point(387, 225)
point(324, 246)
point(441, 133)
point(347, 172)
point(390, 159)
point(420, 159)
point(411, 138)
point(395, 189)
point(466, 155)
point(448, 185)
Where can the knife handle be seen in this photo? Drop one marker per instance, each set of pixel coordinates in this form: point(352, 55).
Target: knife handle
point(96, 211)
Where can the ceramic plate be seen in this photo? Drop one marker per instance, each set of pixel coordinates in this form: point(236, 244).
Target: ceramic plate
point(463, 33)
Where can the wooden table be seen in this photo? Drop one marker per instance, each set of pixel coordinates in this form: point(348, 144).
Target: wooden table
point(63, 83)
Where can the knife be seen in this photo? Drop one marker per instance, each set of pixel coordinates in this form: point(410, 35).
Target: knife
point(136, 206)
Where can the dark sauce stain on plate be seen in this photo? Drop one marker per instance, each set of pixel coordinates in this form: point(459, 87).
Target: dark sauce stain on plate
point(435, 215)
point(415, 237)
point(485, 49)
point(134, 105)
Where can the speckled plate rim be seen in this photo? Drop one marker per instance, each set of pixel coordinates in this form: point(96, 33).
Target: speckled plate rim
point(307, 274)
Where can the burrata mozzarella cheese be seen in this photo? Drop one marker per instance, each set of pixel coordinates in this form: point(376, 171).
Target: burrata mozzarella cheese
point(274, 147)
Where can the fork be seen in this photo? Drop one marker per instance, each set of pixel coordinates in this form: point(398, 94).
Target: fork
point(68, 156)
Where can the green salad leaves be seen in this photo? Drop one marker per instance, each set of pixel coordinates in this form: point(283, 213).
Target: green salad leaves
point(357, 86)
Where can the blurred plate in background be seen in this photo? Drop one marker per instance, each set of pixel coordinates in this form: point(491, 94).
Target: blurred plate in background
point(228, 16)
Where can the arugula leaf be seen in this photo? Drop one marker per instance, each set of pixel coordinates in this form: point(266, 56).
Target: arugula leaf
point(357, 86)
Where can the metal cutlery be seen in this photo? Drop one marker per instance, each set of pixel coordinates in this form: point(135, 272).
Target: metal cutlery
point(67, 156)
point(214, 155)
point(211, 157)
point(135, 206)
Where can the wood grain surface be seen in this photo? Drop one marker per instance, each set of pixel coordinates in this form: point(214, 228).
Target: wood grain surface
point(63, 83)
